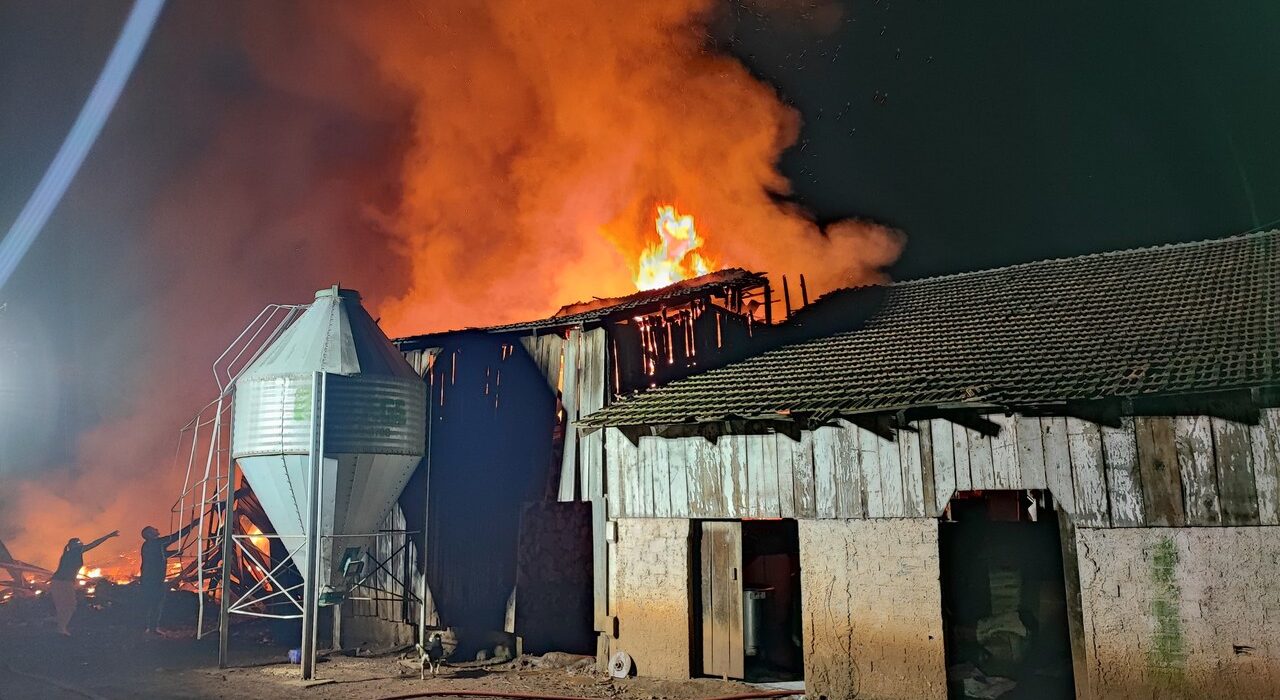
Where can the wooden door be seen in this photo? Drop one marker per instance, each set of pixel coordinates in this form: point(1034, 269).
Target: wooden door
point(722, 599)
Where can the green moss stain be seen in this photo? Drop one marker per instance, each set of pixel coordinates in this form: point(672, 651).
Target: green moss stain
point(1168, 652)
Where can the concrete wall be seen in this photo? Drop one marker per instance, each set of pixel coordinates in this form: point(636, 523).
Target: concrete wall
point(872, 610)
point(1181, 612)
point(649, 589)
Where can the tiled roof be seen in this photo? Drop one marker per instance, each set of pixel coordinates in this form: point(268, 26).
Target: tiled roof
point(1169, 320)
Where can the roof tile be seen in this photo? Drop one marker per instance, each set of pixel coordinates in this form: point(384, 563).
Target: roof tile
point(1166, 320)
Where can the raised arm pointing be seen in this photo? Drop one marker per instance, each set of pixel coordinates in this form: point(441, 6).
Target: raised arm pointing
point(100, 540)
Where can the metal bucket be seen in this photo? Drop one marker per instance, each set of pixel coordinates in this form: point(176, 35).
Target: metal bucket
point(752, 619)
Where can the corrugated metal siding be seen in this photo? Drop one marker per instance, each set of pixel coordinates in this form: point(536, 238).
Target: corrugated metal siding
point(273, 416)
point(379, 415)
point(372, 415)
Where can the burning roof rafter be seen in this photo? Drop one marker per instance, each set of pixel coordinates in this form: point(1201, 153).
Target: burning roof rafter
point(720, 282)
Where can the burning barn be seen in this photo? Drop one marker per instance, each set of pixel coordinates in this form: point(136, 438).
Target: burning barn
point(500, 530)
point(511, 495)
point(1060, 477)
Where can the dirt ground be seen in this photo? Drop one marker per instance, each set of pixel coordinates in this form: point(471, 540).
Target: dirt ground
point(108, 657)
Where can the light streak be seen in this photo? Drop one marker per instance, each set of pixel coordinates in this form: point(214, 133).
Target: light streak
point(93, 115)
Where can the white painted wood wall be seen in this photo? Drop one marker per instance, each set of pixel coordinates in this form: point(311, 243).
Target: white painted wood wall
point(1191, 470)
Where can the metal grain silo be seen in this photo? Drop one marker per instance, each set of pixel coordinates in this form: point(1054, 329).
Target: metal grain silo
point(373, 418)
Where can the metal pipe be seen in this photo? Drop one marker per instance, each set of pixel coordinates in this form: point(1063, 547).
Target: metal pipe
point(210, 463)
point(311, 582)
point(228, 542)
point(426, 529)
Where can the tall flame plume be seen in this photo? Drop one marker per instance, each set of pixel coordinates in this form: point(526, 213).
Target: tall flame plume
point(674, 257)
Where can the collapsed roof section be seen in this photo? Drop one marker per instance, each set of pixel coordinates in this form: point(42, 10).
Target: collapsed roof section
point(596, 311)
point(655, 336)
point(604, 309)
point(1169, 320)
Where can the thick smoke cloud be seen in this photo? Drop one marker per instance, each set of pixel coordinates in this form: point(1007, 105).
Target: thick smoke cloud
point(461, 163)
point(544, 134)
point(263, 156)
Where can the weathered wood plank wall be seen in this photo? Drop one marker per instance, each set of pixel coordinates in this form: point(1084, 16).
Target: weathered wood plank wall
point(575, 368)
point(1149, 471)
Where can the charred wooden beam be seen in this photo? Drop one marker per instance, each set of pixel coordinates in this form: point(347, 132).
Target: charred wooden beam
point(804, 291)
point(902, 421)
point(712, 430)
point(633, 433)
point(786, 296)
point(878, 423)
point(768, 305)
point(971, 419)
point(1106, 413)
point(1241, 406)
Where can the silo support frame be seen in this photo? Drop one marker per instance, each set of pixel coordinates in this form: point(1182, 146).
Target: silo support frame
point(311, 580)
point(245, 603)
point(290, 598)
point(228, 538)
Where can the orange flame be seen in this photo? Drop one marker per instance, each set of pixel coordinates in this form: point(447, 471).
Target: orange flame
point(675, 256)
point(260, 541)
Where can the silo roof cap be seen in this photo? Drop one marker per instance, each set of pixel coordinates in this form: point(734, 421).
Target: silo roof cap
point(336, 291)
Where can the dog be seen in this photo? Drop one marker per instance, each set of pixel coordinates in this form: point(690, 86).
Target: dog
point(440, 645)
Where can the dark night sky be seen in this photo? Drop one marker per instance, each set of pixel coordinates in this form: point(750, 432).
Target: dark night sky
point(991, 133)
point(1013, 131)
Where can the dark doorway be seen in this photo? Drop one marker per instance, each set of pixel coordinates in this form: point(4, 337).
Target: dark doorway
point(1004, 605)
point(771, 601)
point(749, 588)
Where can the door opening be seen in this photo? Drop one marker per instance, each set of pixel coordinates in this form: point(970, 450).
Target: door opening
point(1004, 605)
point(749, 587)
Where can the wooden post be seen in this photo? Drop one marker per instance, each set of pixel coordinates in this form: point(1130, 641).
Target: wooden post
point(804, 293)
point(336, 642)
point(786, 296)
point(768, 304)
point(1075, 608)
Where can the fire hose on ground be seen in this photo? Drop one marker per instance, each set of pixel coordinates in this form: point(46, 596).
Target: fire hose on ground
point(537, 696)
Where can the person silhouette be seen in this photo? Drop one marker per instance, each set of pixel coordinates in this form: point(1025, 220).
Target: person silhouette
point(62, 585)
point(151, 579)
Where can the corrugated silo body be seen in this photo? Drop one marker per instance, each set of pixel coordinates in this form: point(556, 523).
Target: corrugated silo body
point(374, 426)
